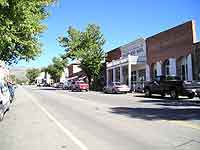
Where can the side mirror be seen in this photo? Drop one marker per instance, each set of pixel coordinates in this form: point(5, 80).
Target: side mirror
point(1, 102)
point(155, 82)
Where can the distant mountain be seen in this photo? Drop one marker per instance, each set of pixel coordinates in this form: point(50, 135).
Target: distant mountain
point(19, 72)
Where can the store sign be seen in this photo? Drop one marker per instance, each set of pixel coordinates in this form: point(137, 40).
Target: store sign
point(135, 48)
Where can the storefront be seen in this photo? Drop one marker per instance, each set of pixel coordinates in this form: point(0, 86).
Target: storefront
point(126, 64)
point(169, 52)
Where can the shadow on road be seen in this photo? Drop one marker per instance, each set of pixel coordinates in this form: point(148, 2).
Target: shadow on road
point(160, 98)
point(158, 113)
point(177, 103)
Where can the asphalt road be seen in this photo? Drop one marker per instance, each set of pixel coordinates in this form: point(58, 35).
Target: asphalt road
point(46, 118)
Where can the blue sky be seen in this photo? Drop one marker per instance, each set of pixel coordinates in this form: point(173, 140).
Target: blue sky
point(121, 21)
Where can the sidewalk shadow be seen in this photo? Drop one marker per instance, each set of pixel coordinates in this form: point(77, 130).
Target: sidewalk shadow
point(49, 89)
point(158, 113)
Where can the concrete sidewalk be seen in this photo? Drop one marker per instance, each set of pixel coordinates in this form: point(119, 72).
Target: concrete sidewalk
point(26, 127)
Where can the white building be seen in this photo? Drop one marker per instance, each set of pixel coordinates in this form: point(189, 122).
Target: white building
point(130, 66)
point(43, 77)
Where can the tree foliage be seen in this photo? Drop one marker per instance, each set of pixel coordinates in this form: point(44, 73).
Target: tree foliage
point(12, 77)
point(20, 28)
point(32, 74)
point(57, 67)
point(86, 47)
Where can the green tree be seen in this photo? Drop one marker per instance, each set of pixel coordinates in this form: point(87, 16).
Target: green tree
point(57, 67)
point(13, 78)
point(20, 28)
point(20, 81)
point(87, 47)
point(32, 74)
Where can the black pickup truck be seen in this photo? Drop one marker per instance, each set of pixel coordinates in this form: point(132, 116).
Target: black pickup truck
point(173, 86)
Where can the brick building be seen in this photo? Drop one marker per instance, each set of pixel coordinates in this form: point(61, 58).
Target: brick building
point(169, 52)
point(74, 72)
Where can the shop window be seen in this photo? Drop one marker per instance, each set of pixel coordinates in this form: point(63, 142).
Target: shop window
point(117, 73)
point(133, 76)
point(141, 75)
point(166, 68)
point(182, 69)
point(183, 72)
point(154, 71)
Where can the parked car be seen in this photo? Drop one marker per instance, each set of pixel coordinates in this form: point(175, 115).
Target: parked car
point(79, 86)
point(66, 85)
point(171, 85)
point(116, 87)
point(4, 100)
point(58, 85)
point(40, 84)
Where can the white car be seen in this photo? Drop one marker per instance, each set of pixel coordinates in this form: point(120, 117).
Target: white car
point(4, 100)
point(116, 87)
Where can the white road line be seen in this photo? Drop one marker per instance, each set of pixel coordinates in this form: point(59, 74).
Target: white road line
point(67, 132)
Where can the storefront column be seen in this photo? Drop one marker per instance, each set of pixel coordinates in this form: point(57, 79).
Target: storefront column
point(189, 67)
point(147, 72)
point(129, 75)
point(121, 74)
point(172, 66)
point(159, 68)
point(114, 75)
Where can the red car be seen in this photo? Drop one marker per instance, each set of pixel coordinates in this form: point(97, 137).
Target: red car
point(79, 86)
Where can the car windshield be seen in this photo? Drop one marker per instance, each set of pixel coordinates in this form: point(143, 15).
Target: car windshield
point(117, 83)
point(81, 82)
point(161, 78)
point(173, 78)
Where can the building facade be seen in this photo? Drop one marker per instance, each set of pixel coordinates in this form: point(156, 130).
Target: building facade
point(169, 52)
point(173, 52)
point(126, 64)
point(44, 77)
point(74, 72)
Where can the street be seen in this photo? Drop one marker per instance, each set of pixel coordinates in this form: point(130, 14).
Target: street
point(52, 119)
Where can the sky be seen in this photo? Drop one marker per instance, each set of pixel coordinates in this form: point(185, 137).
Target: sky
point(121, 21)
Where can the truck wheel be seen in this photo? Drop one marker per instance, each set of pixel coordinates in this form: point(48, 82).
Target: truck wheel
point(191, 95)
point(1, 116)
point(162, 94)
point(174, 94)
point(147, 93)
point(113, 91)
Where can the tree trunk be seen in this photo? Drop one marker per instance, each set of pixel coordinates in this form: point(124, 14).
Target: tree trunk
point(89, 80)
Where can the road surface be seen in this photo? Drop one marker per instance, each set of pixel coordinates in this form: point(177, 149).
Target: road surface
point(46, 118)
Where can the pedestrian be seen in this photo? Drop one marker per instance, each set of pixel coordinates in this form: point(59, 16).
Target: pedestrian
point(11, 90)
